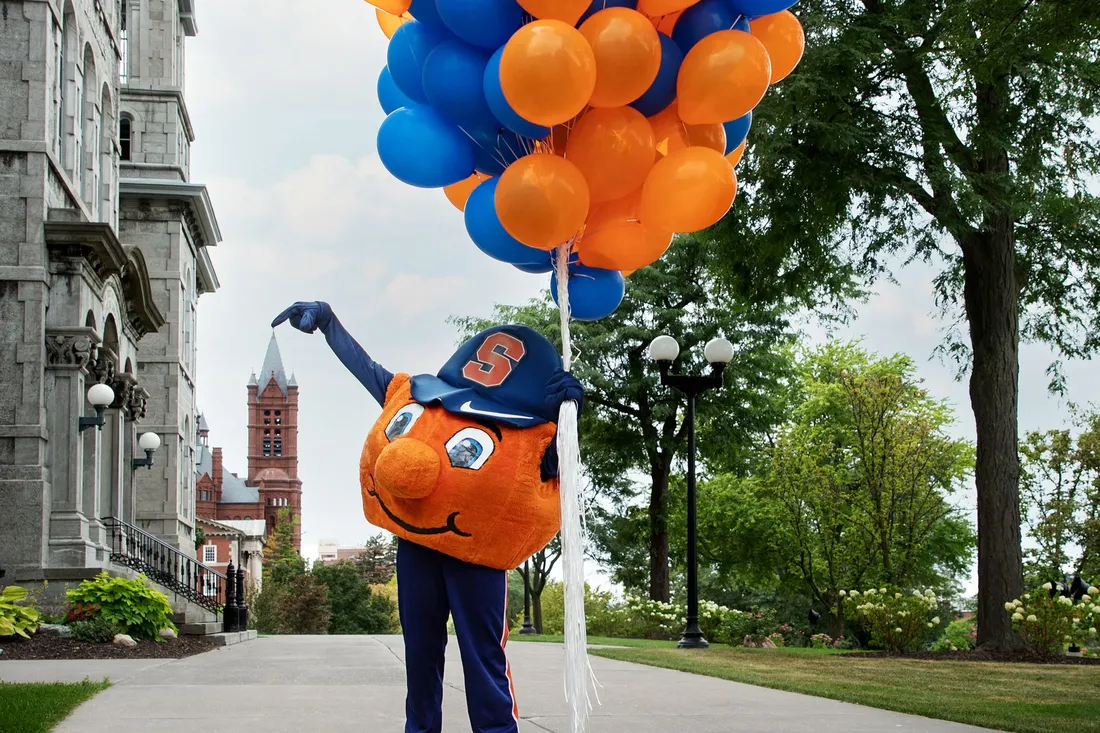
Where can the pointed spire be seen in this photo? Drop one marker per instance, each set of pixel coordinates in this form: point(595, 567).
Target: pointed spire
point(292, 382)
point(252, 381)
point(273, 366)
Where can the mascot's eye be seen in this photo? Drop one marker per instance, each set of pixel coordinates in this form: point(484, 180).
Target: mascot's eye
point(470, 448)
point(403, 421)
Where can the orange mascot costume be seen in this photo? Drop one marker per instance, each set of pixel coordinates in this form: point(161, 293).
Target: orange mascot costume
point(462, 467)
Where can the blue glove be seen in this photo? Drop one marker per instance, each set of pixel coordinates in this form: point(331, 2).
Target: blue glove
point(309, 316)
point(306, 317)
point(561, 387)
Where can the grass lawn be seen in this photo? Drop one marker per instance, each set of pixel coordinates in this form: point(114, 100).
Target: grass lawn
point(560, 639)
point(1027, 698)
point(38, 708)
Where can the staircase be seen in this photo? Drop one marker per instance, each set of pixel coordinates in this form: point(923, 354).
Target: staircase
point(197, 593)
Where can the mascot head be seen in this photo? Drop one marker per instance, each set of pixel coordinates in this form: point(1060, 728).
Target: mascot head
point(459, 462)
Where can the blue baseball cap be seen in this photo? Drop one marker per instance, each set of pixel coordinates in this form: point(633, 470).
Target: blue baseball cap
point(500, 375)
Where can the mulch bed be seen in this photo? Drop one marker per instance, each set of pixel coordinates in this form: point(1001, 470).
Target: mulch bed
point(49, 645)
point(978, 655)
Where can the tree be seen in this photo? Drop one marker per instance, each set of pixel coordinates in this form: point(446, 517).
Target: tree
point(1060, 486)
point(303, 607)
point(281, 561)
point(542, 562)
point(631, 425)
point(860, 479)
point(353, 608)
point(955, 132)
point(377, 562)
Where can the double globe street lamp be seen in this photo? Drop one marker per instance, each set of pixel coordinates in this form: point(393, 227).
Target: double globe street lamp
point(100, 396)
point(718, 352)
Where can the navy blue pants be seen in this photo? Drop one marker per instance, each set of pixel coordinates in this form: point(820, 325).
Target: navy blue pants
point(431, 585)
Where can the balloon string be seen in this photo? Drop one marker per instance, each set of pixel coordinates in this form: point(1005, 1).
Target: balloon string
point(578, 667)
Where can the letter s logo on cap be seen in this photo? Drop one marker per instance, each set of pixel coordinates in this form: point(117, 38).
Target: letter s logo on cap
point(496, 358)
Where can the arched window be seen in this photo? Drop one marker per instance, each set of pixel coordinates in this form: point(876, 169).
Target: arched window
point(124, 41)
point(125, 137)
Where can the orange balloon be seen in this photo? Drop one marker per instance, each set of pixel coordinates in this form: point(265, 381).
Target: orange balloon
point(654, 8)
point(547, 72)
point(621, 209)
point(628, 273)
point(622, 245)
point(736, 154)
point(668, 22)
point(614, 149)
point(722, 78)
point(670, 133)
point(393, 7)
point(542, 200)
point(568, 11)
point(688, 190)
point(784, 39)
point(390, 23)
point(458, 193)
point(628, 55)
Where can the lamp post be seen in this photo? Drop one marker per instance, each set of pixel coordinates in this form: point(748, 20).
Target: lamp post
point(148, 442)
point(528, 628)
point(718, 353)
point(99, 396)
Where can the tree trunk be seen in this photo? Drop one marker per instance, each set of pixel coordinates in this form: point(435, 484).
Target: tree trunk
point(536, 610)
point(991, 294)
point(658, 536)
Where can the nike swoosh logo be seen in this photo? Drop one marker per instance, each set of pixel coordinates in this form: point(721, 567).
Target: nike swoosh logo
point(468, 408)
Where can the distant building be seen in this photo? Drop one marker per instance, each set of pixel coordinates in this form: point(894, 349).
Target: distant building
point(272, 481)
point(238, 542)
point(331, 553)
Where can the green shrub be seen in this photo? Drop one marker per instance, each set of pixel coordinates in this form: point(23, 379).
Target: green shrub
point(959, 635)
point(96, 630)
point(16, 617)
point(136, 608)
point(80, 612)
point(1049, 623)
point(896, 621)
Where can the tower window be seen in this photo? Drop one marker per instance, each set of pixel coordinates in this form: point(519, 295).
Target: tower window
point(267, 421)
point(267, 446)
point(278, 432)
point(278, 412)
point(278, 446)
point(267, 432)
point(267, 413)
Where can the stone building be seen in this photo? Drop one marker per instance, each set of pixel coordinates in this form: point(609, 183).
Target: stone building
point(272, 481)
point(102, 259)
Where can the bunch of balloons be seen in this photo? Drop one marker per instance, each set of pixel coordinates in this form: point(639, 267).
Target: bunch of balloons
point(603, 125)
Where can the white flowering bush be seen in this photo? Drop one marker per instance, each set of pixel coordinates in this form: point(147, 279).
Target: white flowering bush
point(656, 620)
point(1050, 623)
point(896, 621)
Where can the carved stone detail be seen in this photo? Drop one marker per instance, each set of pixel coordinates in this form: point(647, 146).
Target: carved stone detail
point(71, 348)
point(103, 367)
point(136, 404)
point(123, 385)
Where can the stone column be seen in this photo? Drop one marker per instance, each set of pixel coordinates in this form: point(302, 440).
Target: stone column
point(136, 409)
point(69, 353)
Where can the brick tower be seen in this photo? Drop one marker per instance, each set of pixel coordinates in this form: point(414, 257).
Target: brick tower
point(273, 440)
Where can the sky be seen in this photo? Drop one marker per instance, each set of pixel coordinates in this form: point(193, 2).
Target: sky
point(282, 97)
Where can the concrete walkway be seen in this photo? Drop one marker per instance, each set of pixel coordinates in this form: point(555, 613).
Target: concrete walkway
point(331, 684)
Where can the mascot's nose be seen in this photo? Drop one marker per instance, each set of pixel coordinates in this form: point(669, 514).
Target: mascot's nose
point(408, 469)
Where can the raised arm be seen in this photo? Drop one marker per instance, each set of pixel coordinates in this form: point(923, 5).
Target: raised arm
point(309, 316)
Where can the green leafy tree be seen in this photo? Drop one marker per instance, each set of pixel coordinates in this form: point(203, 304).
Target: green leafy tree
point(634, 428)
point(303, 606)
point(860, 480)
point(377, 563)
point(1060, 486)
point(541, 564)
point(959, 132)
point(353, 608)
point(281, 561)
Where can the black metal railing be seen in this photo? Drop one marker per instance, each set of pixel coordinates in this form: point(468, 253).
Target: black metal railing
point(135, 548)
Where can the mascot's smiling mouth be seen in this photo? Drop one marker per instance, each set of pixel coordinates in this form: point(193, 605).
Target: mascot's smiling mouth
point(449, 527)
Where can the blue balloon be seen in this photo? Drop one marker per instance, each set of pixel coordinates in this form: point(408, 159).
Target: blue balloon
point(426, 11)
point(453, 76)
point(598, 5)
point(593, 293)
point(736, 131)
point(503, 111)
point(485, 23)
point(702, 19)
point(537, 268)
point(407, 52)
point(662, 92)
point(756, 8)
point(422, 149)
point(742, 24)
point(485, 229)
point(389, 96)
point(493, 153)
